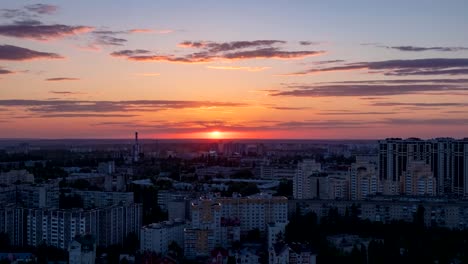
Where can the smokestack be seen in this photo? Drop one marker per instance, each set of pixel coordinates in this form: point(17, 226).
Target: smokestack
point(136, 137)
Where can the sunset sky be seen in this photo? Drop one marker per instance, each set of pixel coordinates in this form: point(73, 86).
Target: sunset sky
point(233, 69)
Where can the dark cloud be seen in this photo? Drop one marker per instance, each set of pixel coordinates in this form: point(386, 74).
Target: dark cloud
point(161, 126)
point(402, 81)
point(71, 106)
point(435, 66)
point(31, 29)
point(410, 48)
point(108, 32)
point(193, 58)
point(130, 53)
point(215, 47)
point(289, 108)
point(323, 124)
point(110, 41)
point(201, 57)
point(428, 122)
point(418, 49)
point(326, 62)
point(211, 51)
point(372, 98)
point(83, 115)
point(364, 90)
point(308, 43)
point(42, 9)
point(14, 53)
point(5, 71)
point(65, 92)
point(348, 112)
point(270, 53)
point(406, 72)
point(57, 79)
point(445, 104)
point(14, 13)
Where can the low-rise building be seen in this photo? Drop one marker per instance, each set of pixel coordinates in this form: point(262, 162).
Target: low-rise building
point(157, 237)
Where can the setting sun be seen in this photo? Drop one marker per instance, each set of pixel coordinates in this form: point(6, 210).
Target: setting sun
point(216, 134)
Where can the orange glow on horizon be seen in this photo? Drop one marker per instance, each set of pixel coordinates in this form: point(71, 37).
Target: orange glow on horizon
point(216, 134)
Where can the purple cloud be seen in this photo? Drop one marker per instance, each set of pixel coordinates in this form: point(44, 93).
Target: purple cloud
point(348, 112)
point(365, 90)
point(212, 51)
point(448, 104)
point(35, 30)
point(42, 9)
point(14, 53)
point(73, 106)
point(216, 47)
point(57, 79)
point(5, 71)
point(437, 66)
point(289, 108)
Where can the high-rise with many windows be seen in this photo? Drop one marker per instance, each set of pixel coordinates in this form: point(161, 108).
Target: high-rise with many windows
point(446, 157)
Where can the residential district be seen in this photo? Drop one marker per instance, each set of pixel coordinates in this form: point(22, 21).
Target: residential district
point(234, 201)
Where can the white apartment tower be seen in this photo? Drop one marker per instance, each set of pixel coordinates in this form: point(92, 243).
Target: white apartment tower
point(304, 185)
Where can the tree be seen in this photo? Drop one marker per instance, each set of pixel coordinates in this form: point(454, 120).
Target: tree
point(175, 250)
point(70, 201)
point(4, 240)
point(285, 188)
point(419, 216)
point(254, 235)
point(131, 243)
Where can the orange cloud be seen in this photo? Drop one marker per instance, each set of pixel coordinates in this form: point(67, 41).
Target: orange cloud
point(239, 68)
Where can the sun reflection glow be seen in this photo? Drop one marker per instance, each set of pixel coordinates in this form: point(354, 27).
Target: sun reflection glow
point(215, 134)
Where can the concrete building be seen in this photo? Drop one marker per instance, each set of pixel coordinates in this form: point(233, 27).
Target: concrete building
point(278, 254)
point(38, 196)
point(106, 167)
point(220, 221)
point(157, 237)
point(364, 178)
point(204, 232)
point(93, 199)
point(304, 185)
point(58, 228)
point(245, 255)
point(338, 187)
point(275, 233)
point(11, 223)
point(177, 209)
point(230, 231)
point(136, 149)
point(7, 195)
point(13, 176)
point(418, 180)
point(447, 158)
point(437, 212)
point(256, 211)
point(82, 250)
point(277, 172)
point(300, 254)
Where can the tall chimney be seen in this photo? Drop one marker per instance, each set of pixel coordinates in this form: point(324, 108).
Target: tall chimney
point(136, 137)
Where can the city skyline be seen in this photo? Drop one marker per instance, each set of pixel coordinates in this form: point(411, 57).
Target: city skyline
point(269, 69)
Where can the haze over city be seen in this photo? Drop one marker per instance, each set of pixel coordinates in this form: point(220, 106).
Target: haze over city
point(237, 69)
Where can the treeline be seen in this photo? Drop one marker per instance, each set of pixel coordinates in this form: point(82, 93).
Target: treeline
point(395, 242)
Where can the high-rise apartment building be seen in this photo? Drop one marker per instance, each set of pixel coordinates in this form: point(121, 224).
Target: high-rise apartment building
point(305, 186)
point(220, 221)
point(11, 223)
point(446, 157)
point(363, 177)
point(108, 225)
